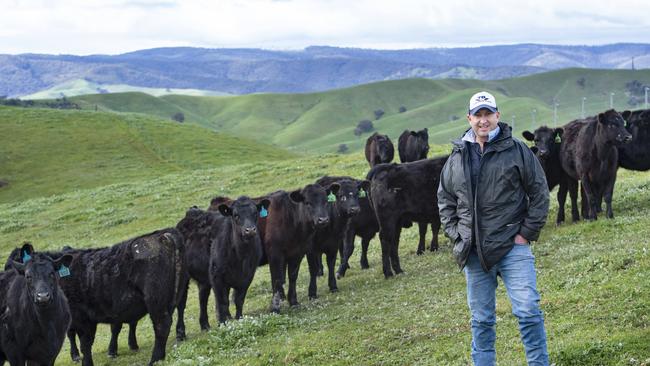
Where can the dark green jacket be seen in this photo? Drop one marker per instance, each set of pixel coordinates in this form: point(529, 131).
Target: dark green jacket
point(511, 197)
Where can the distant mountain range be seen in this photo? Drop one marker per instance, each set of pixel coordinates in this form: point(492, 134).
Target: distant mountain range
point(245, 71)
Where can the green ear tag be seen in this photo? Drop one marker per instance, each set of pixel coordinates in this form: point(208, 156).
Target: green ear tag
point(558, 139)
point(362, 193)
point(64, 271)
point(331, 197)
point(264, 212)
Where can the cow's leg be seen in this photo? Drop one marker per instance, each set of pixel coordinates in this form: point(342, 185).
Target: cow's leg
point(394, 252)
point(276, 267)
point(161, 319)
point(112, 345)
point(283, 296)
point(591, 198)
point(74, 351)
point(573, 193)
point(346, 253)
point(365, 242)
point(312, 263)
point(239, 295)
point(422, 226)
point(609, 193)
point(320, 265)
point(435, 229)
point(204, 295)
point(86, 340)
point(385, 236)
point(221, 292)
point(180, 315)
point(294, 267)
point(331, 264)
point(561, 199)
point(133, 341)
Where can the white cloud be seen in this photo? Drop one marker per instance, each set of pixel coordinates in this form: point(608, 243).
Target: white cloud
point(85, 27)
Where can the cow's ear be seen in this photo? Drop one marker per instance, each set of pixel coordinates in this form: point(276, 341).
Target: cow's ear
point(626, 114)
point(26, 252)
point(64, 260)
point(296, 196)
point(365, 185)
point(334, 188)
point(18, 267)
point(601, 117)
point(528, 135)
point(413, 133)
point(264, 204)
point(224, 209)
point(559, 131)
point(534, 149)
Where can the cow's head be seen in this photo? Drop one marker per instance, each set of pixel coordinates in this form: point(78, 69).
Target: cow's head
point(347, 193)
point(421, 142)
point(546, 140)
point(384, 148)
point(612, 127)
point(41, 274)
point(314, 198)
point(244, 213)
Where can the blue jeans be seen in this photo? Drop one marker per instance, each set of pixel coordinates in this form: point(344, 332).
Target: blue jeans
point(517, 270)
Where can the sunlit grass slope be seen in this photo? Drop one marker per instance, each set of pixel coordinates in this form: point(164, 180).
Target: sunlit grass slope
point(45, 151)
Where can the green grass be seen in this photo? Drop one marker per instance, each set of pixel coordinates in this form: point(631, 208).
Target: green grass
point(593, 279)
point(45, 152)
point(320, 122)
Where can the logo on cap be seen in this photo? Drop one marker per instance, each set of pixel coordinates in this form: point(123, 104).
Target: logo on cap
point(482, 100)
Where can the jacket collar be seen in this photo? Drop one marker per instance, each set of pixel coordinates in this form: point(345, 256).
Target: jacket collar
point(500, 142)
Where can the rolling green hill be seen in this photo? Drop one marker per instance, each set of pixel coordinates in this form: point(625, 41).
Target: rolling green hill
point(320, 122)
point(45, 151)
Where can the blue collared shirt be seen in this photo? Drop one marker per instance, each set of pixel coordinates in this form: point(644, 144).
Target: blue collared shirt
point(471, 137)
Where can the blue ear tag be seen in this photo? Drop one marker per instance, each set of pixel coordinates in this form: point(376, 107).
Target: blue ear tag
point(362, 193)
point(26, 257)
point(331, 197)
point(64, 271)
point(264, 212)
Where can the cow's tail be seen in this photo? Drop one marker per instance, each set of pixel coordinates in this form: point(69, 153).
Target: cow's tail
point(175, 238)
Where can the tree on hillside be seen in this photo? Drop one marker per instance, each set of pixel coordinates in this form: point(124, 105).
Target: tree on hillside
point(343, 148)
point(581, 82)
point(178, 117)
point(378, 113)
point(363, 126)
point(402, 109)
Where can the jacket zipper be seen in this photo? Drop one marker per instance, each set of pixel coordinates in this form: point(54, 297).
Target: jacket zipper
point(476, 218)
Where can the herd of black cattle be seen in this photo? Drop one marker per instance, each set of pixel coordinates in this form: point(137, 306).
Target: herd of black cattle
point(47, 295)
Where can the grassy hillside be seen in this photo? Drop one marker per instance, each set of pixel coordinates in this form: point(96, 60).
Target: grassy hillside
point(44, 151)
point(320, 122)
point(592, 278)
point(81, 87)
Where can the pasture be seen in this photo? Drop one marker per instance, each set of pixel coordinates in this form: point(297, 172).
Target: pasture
point(593, 277)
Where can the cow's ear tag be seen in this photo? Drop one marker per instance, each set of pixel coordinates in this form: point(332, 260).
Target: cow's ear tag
point(331, 197)
point(26, 257)
point(558, 139)
point(264, 212)
point(64, 271)
point(362, 193)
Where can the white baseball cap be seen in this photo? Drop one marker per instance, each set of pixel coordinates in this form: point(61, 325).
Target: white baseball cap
point(482, 100)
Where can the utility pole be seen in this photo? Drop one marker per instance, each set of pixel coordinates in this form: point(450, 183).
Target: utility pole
point(646, 97)
point(534, 112)
point(513, 123)
point(611, 100)
point(555, 104)
point(582, 114)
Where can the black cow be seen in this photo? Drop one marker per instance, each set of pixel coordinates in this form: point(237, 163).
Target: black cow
point(547, 149)
point(636, 154)
point(16, 255)
point(364, 224)
point(588, 154)
point(235, 253)
point(379, 149)
point(400, 193)
point(413, 145)
point(122, 283)
point(35, 315)
point(343, 204)
point(292, 221)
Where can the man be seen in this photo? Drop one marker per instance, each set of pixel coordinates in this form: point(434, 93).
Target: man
point(493, 201)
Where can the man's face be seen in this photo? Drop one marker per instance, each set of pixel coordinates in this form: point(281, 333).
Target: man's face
point(482, 122)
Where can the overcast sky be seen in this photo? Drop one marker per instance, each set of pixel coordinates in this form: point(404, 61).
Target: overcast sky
point(118, 26)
